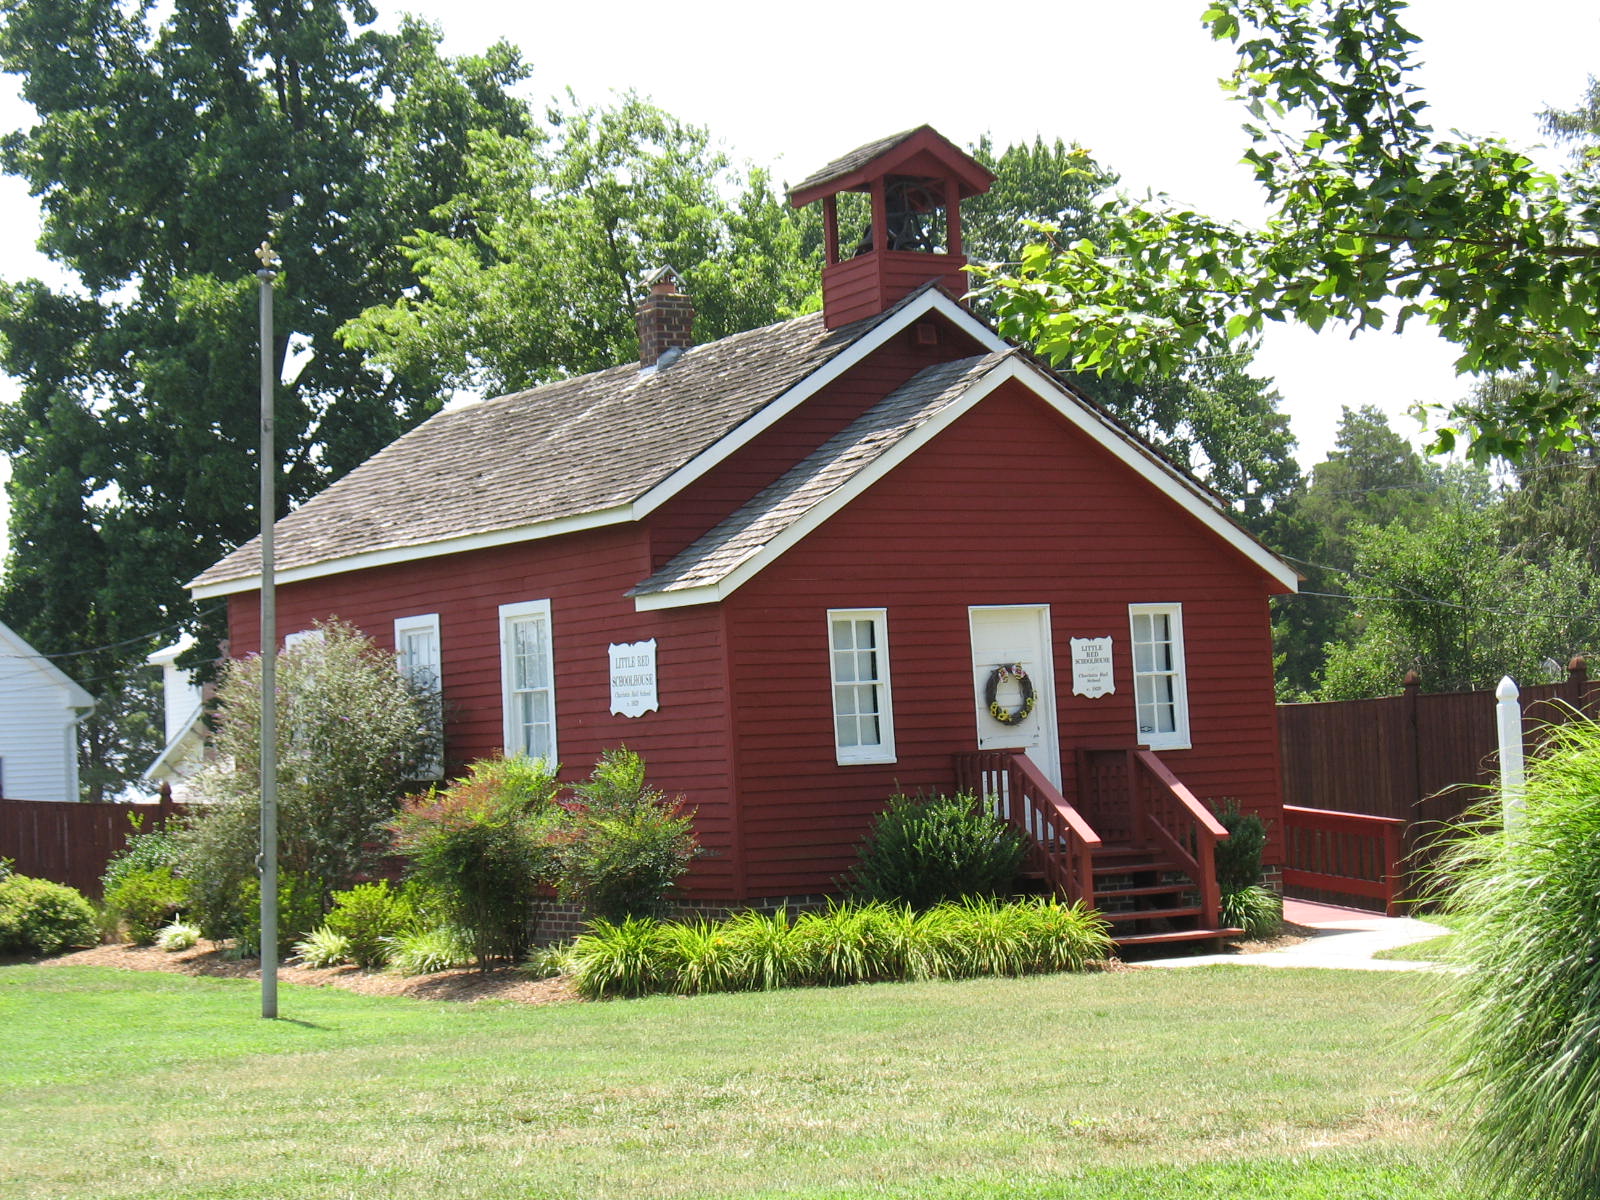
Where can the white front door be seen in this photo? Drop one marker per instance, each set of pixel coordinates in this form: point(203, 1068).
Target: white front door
point(1006, 638)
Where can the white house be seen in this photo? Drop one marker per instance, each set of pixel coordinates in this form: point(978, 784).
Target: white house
point(184, 706)
point(39, 713)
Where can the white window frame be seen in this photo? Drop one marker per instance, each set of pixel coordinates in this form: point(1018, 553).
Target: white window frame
point(428, 623)
point(883, 750)
point(1178, 738)
point(511, 730)
point(301, 636)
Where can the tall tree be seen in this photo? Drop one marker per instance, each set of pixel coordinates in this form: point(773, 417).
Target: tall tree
point(1208, 415)
point(1371, 478)
point(1446, 600)
point(161, 154)
point(1374, 221)
point(554, 234)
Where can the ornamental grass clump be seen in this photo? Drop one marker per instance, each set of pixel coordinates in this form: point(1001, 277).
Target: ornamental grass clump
point(1521, 1025)
point(756, 951)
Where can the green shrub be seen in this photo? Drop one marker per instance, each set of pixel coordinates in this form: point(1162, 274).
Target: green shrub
point(483, 848)
point(144, 852)
point(1256, 910)
point(1520, 1024)
point(367, 916)
point(1238, 859)
point(427, 949)
point(923, 851)
point(623, 843)
point(299, 912)
point(144, 899)
point(322, 947)
point(40, 917)
point(178, 936)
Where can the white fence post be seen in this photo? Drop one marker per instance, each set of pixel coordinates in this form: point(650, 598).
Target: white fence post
point(1508, 718)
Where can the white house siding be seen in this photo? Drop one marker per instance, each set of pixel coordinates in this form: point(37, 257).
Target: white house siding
point(39, 712)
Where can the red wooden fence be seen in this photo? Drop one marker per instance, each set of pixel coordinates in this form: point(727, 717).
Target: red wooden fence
point(71, 843)
point(1422, 758)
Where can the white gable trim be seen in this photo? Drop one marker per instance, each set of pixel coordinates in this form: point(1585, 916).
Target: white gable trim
point(1168, 482)
point(12, 646)
point(931, 301)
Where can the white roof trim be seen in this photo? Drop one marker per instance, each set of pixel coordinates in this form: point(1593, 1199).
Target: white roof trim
point(402, 554)
point(931, 301)
point(1171, 484)
point(190, 735)
point(12, 646)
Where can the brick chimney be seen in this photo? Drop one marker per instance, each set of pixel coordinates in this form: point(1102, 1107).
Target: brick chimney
point(666, 319)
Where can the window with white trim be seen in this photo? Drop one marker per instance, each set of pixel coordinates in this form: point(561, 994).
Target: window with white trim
point(527, 680)
point(302, 636)
point(416, 649)
point(858, 653)
point(1160, 687)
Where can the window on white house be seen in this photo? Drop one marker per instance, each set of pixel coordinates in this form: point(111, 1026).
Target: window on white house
point(858, 650)
point(1160, 688)
point(416, 648)
point(527, 680)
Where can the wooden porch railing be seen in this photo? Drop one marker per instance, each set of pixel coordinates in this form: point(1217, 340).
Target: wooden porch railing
point(1060, 842)
point(1169, 815)
point(1353, 853)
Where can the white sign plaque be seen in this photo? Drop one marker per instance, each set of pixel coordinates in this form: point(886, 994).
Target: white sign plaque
point(633, 678)
point(1091, 667)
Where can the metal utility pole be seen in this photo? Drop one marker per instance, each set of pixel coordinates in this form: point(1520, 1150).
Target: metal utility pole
point(269, 652)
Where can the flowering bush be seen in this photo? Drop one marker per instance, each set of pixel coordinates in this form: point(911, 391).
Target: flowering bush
point(484, 847)
point(351, 732)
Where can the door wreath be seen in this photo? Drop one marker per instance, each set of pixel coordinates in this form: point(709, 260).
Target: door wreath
point(1009, 716)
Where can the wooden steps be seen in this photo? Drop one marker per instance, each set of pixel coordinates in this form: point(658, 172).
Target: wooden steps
point(1148, 899)
point(1185, 935)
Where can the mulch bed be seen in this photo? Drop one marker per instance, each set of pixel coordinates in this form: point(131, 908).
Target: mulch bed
point(461, 986)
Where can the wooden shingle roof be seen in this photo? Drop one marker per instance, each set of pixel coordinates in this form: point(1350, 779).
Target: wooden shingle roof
point(562, 450)
point(774, 510)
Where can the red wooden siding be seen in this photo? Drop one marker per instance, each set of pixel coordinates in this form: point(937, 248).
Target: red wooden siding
point(584, 576)
point(867, 284)
point(1007, 507)
point(709, 499)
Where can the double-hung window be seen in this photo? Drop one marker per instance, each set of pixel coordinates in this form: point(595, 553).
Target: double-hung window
point(527, 680)
point(1160, 688)
point(858, 651)
point(416, 648)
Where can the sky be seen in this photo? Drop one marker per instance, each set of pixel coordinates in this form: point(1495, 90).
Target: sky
point(791, 87)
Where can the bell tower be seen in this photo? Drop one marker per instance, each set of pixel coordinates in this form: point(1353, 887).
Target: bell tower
point(916, 182)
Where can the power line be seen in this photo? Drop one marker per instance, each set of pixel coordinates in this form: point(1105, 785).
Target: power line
point(133, 641)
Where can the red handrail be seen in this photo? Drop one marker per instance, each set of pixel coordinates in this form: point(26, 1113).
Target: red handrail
point(1180, 824)
point(1354, 853)
point(1061, 843)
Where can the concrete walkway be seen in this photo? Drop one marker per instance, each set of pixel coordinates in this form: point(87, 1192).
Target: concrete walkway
point(1345, 938)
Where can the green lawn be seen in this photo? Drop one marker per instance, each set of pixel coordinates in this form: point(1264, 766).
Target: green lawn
point(1210, 1083)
